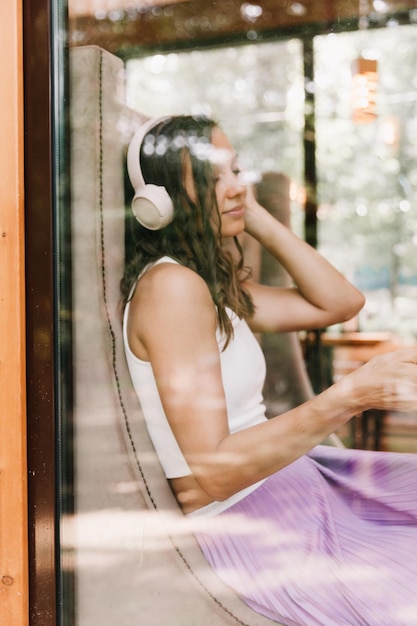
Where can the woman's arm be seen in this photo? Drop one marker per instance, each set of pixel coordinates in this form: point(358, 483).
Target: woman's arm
point(322, 296)
point(172, 323)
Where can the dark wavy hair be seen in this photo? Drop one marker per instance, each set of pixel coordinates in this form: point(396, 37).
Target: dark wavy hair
point(193, 238)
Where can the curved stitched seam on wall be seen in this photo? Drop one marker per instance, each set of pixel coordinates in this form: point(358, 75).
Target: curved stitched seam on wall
point(114, 355)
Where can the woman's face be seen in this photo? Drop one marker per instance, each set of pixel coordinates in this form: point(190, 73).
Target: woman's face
point(230, 192)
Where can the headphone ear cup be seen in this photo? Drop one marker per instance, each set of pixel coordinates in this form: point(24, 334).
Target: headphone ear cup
point(152, 207)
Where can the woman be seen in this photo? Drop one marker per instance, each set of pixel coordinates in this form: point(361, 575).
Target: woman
point(306, 534)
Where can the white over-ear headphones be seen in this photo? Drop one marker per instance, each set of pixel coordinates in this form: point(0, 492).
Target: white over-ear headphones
point(151, 204)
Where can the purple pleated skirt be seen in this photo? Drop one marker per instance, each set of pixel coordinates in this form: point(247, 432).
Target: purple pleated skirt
point(330, 540)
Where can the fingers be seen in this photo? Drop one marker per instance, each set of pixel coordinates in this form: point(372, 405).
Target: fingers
point(387, 382)
point(395, 378)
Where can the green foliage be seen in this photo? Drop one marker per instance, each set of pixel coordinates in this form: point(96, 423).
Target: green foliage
point(368, 173)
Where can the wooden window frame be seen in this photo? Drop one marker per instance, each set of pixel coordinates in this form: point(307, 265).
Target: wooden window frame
point(13, 466)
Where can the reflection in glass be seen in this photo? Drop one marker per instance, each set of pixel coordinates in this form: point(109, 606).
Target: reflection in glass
point(368, 174)
point(367, 179)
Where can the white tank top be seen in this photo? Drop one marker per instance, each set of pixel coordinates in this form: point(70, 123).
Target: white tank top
point(243, 373)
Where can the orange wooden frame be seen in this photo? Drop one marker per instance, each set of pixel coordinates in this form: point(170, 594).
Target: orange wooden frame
point(13, 465)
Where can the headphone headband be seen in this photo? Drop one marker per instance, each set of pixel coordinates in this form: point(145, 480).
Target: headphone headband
point(151, 204)
point(133, 152)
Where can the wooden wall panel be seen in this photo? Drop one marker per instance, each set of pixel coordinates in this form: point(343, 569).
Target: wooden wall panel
point(13, 469)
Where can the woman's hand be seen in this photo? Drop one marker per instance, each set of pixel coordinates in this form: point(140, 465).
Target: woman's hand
point(257, 217)
point(387, 382)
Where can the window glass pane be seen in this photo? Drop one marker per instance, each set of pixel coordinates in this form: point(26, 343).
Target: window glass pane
point(124, 542)
point(368, 173)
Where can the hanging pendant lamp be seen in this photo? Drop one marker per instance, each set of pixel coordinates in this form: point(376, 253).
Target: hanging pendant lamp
point(364, 77)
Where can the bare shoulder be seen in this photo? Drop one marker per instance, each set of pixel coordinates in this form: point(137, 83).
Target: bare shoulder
point(171, 304)
point(167, 282)
point(170, 293)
